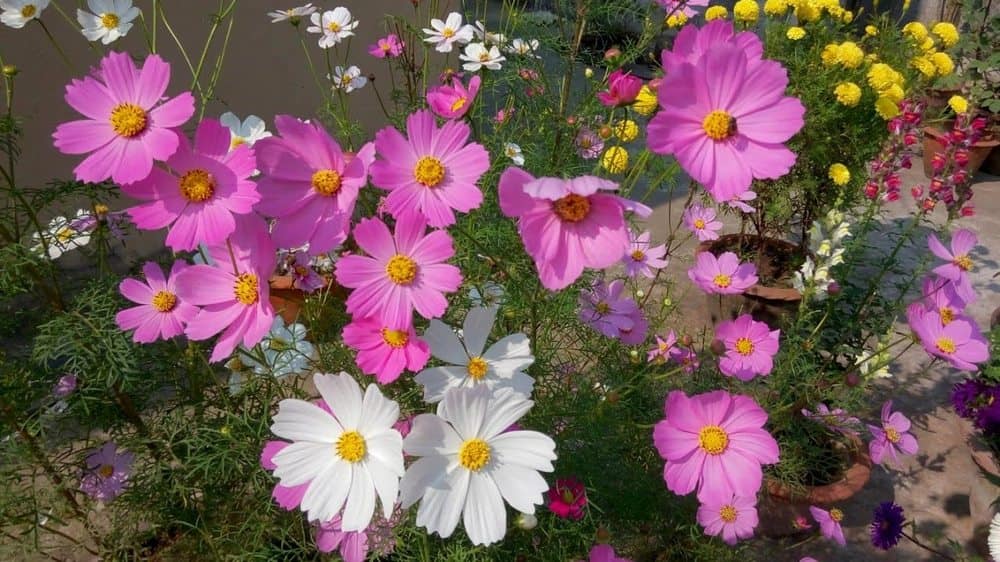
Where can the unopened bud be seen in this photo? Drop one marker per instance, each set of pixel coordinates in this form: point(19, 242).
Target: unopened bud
point(527, 521)
point(588, 72)
point(686, 340)
point(718, 347)
point(833, 289)
point(852, 379)
point(10, 70)
point(640, 293)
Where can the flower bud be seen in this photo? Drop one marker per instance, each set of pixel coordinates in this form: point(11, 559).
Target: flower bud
point(9, 70)
point(612, 53)
point(718, 347)
point(686, 340)
point(833, 289)
point(968, 211)
point(588, 72)
point(640, 293)
point(605, 132)
point(852, 379)
point(527, 521)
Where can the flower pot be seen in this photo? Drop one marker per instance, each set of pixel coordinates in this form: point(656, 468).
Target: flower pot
point(992, 163)
point(287, 300)
point(934, 144)
point(937, 98)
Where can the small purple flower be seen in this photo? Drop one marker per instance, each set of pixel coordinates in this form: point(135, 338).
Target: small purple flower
point(686, 358)
point(663, 347)
point(305, 277)
point(892, 438)
point(940, 294)
point(640, 258)
point(589, 144)
point(887, 525)
point(65, 386)
point(603, 308)
point(959, 263)
point(637, 333)
point(836, 419)
point(701, 221)
point(107, 473)
point(965, 396)
point(829, 523)
point(734, 518)
point(723, 275)
point(750, 347)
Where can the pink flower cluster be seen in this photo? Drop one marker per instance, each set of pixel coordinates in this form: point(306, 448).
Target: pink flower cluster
point(951, 183)
point(897, 153)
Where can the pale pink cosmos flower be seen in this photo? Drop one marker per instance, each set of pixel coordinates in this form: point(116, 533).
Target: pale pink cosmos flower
point(739, 201)
point(589, 145)
point(636, 334)
point(701, 221)
point(750, 347)
point(724, 275)
point(734, 518)
point(686, 358)
point(829, 523)
point(434, 171)
point(958, 342)
point(309, 184)
point(661, 352)
point(604, 553)
point(692, 42)
point(623, 88)
point(389, 46)
point(892, 438)
point(681, 7)
point(108, 470)
point(640, 258)
point(304, 277)
point(454, 101)
point(384, 352)
point(959, 263)
point(128, 123)
point(160, 314)
point(835, 419)
point(403, 271)
point(65, 385)
point(604, 309)
point(203, 191)
point(941, 294)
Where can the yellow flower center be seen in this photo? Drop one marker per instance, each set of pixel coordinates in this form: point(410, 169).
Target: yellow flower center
point(326, 182)
point(333, 26)
point(727, 513)
point(892, 435)
point(484, 56)
point(101, 209)
point(722, 280)
point(28, 11)
point(602, 308)
point(401, 269)
point(744, 346)
point(699, 223)
point(351, 446)
point(638, 255)
point(345, 80)
point(474, 454)
point(458, 104)
point(109, 20)
point(572, 208)
point(947, 315)
point(65, 234)
point(477, 368)
point(386, 47)
point(945, 345)
point(719, 125)
point(964, 262)
point(394, 338)
point(197, 185)
point(713, 439)
point(429, 171)
point(128, 119)
point(836, 514)
point(236, 142)
point(164, 301)
point(106, 470)
point(447, 33)
point(245, 288)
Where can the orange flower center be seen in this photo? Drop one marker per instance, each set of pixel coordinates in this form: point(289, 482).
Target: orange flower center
point(246, 288)
point(394, 338)
point(892, 435)
point(572, 208)
point(744, 346)
point(128, 119)
point(699, 224)
point(945, 345)
point(197, 185)
point(106, 470)
point(638, 255)
point(326, 182)
point(459, 103)
point(964, 262)
point(836, 514)
point(722, 280)
point(477, 368)
point(719, 125)
point(164, 301)
point(713, 439)
point(947, 315)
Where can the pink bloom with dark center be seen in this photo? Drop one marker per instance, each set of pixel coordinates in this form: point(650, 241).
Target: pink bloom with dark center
point(959, 263)
point(384, 352)
point(452, 102)
point(959, 341)
point(734, 518)
point(604, 553)
point(126, 126)
point(107, 473)
point(604, 309)
point(701, 221)
point(750, 347)
point(692, 42)
point(568, 498)
point(661, 352)
point(829, 523)
point(724, 275)
point(161, 313)
point(389, 46)
point(640, 258)
point(623, 88)
point(892, 438)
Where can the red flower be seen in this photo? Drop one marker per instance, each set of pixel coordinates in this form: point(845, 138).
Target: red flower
point(568, 498)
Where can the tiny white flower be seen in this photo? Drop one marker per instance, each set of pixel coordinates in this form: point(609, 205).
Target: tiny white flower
point(110, 19)
point(487, 37)
point(17, 13)
point(994, 538)
point(524, 48)
point(285, 351)
point(513, 152)
point(62, 235)
point(477, 56)
point(443, 34)
point(247, 131)
point(348, 80)
point(285, 15)
point(335, 25)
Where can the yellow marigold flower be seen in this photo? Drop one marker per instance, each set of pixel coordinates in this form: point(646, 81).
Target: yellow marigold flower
point(835, 11)
point(946, 32)
point(830, 54)
point(645, 103)
point(927, 45)
point(746, 10)
point(676, 20)
point(848, 93)
point(886, 108)
point(894, 92)
point(944, 64)
point(924, 65)
point(958, 104)
point(871, 57)
point(850, 55)
point(615, 160)
point(808, 11)
point(871, 30)
point(906, 6)
point(775, 7)
point(795, 33)
point(716, 12)
point(839, 174)
point(881, 76)
point(848, 16)
point(626, 130)
point(916, 31)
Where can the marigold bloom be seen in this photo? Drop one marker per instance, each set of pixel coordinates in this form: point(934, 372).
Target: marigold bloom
point(839, 174)
point(947, 32)
point(892, 438)
point(775, 7)
point(795, 33)
point(645, 102)
point(958, 104)
point(723, 275)
point(384, 352)
point(750, 347)
point(615, 160)
point(160, 313)
point(734, 517)
point(746, 11)
point(942, 63)
point(716, 13)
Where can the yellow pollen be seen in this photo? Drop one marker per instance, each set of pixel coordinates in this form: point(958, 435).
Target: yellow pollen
point(474, 454)
point(458, 104)
point(484, 56)
point(326, 182)
point(638, 255)
point(744, 346)
point(65, 234)
point(128, 119)
point(333, 26)
point(699, 224)
point(572, 208)
point(106, 470)
point(892, 435)
point(727, 513)
point(477, 368)
point(964, 262)
point(245, 288)
point(602, 308)
point(164, 301)
point(719, 125)
point(722, 280)
point(947, 315)
point(386, 47)
point(663, 346)
point(101, 209)
point(713, 439)
point(836, 514)
point(28, 11)
point(351, 446)
point(197, 185)
point(345, 80)
point(394, 338)
point(237, 141)
point(447, 33)
point(945, 345)
point(401, 269)
point(109, 20)
point(429, 171)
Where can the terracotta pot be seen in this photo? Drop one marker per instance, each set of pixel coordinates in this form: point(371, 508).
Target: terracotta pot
point(937, 98)
point(992, 163)
point(287, 300)
point(933, 144)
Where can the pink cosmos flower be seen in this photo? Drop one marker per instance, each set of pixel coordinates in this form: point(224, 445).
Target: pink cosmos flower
point(126, 126)
point(65, 386)
point(836, 419)
point(640, 258)
point(304, 277)
point(288, 497)
point(941, 294)
point(160, 313)
point(636, 334)
point(686, 358)
point(714, 443)
point(389, 46)
point(309, 184)
point(603, 308)
point(452, 102)
point(750, 347)
point(959, 342)
point(384, 352)
point(725, 120)
point(352, 546)
point(892, 438)
point(734, 517)
point(402, 272)
point(566, 225)
point(692, 42)
point(959, 263)
point(681, 7)
point(433, 172)
point(235, 303)
point(589, 144)
point(568, 498)
point(739, 201)
point(829, 523)
point(622, 89)
point(724, 275)
point(107, 472)
point(604, 553)
point(201, 194)
point(661, 352)
point(701, 220)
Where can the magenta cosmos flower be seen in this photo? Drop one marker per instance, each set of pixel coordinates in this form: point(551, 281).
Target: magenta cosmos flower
point(692, 42)
point(604, 553)
point(160, 313)
point(701, 221)
point(892, 438)
point(568, 498)
point(661, 352)
point(389, 46)
point(566, 225)
point(714, 443)
point(941, 294)
point(107, 472)
point(724, 275)
point(452, 102)
point(750, 347)
point(434, 171)
point(288, 497)
point(233, 302)
point(402, 271)
point(959, 263)
point(681, 7)
point(636, 334)
point(309, 184)
point(201, 194)
point(734, 518)
point(384, 352)
point(725, 120)
point(641, 258)
point(623, 88)
point(126, 126)
point(829, 523)
point(603, 308)
point(959, 341)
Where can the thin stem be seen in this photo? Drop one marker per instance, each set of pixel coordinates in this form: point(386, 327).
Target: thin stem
point(62, 54)
point(180, 46)
point(915, 541)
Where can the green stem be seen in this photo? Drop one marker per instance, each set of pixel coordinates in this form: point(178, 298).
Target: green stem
point(55, 44)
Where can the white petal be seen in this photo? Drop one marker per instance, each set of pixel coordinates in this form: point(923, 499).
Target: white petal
point(377, 411)
point(506, 408)
point(519, 382)
point(466, 409)
point(512, 353)
point(484, 516)
point(477, 327)
point(230, 121)
point(431, 435)
point(428, 472)
point(299, 463)
point(342, 393)
point(386, 446)
point(444, 344)
point(386, 485)
point(360, 501)
point(438, 380)
point(326, 494)
point(298, 420)
point(521, 487)
point(529, 449)
point(441, 507)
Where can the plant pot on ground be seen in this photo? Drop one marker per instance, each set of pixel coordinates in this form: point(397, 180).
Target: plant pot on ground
point(287, 300)
point(933, 144)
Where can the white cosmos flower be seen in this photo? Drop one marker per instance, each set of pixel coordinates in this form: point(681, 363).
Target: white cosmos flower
point(16, 13)
point(477, 56)
point(347, 457)
point(524, 48)
point(285, 15)
point(500, 366)
point(348, 80)
point(110, 19)
point(443, 34)
point(62, 235)
point(470, 465)
point(335, 25)
point(487, 37)
point(247, 131)
point(513, 152)
point(285, 351)
point(994, 538)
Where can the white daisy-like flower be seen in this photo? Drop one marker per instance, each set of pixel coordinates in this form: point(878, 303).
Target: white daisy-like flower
point(335, 25)
point(524, 48)
point(292, 13)
point(470, 465)
point(513, 152)
point(477, 56)
point(285, 351)
point(349, 79)
point(346, 458)
point(444, 34)
point(500, 366)
point(488, 37)
point(110, 19)
point(994, 538)
point(247, 131)
point(17, 13)
point(62, 235)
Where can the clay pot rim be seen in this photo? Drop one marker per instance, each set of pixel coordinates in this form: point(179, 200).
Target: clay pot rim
point(855, 478)
point(937, 133)
point(768, 292)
